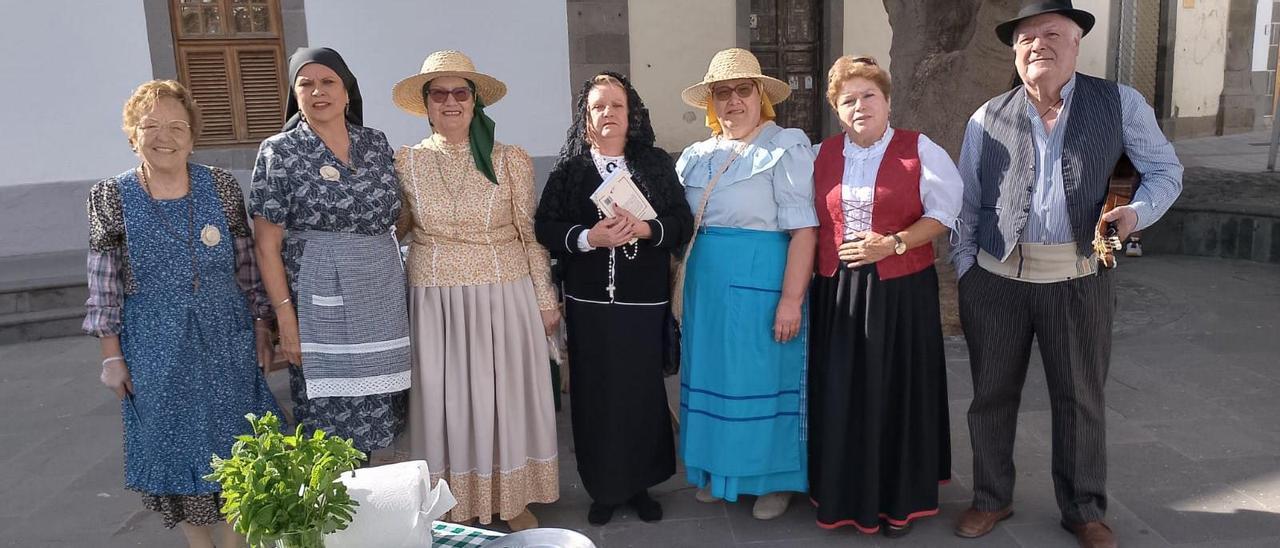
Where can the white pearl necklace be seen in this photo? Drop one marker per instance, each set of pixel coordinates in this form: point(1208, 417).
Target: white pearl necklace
point(635, 246)
point(606, 165)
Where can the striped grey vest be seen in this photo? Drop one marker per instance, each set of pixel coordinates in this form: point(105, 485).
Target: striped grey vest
point(1092, 145)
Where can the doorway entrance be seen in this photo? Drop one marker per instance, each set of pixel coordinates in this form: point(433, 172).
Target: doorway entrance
point(786, 35)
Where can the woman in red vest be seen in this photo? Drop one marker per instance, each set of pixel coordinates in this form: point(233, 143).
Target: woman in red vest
point(879, 439)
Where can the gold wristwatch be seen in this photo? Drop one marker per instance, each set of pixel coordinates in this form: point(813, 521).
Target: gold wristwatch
point(899, 246)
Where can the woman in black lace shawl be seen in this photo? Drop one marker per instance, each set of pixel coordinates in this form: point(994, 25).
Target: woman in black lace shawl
point(616, 280)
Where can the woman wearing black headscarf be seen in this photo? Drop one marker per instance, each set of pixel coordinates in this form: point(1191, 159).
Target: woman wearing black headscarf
point(616, 270)
point(325, 198)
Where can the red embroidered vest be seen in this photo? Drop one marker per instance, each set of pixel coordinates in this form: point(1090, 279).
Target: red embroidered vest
point(896, 204)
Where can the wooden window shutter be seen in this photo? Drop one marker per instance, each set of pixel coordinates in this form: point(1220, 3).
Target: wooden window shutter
point(207, 74)
point(230, 55)
point(262, 91)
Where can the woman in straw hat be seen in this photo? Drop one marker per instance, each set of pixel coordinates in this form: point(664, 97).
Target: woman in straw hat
point(325, 199)
point(616, 295)
point(746, 275)
point(481, 301)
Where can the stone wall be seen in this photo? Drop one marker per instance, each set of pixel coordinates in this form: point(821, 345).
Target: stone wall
point(1199, 63)
point(1226, 214)
point(598, 40)
point(671, 43)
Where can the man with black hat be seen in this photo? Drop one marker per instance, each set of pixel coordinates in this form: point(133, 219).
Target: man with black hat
point(1036, 162)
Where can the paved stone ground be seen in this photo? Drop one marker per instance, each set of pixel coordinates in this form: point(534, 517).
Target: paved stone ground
point(1239, 152)
point(1194, 444)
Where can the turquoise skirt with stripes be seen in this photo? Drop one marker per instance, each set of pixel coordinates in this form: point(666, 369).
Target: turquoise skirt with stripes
point(742, 395)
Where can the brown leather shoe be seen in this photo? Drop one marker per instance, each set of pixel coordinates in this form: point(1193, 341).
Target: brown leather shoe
point(974, 523)
point(1093, 534)
point(526, 520)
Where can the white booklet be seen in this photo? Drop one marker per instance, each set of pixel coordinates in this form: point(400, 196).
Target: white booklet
point(619, 189)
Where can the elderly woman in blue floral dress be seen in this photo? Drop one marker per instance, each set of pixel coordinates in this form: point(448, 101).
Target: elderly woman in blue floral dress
point(172, 294)
point(325, 198)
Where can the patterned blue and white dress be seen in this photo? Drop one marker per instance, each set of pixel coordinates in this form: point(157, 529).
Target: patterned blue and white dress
point(178, 303)
point(289, 190)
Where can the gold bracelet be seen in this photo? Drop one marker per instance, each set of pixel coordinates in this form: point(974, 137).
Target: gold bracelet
point(286, 300)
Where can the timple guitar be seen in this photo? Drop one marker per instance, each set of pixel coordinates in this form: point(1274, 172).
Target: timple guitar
point(1124, 181)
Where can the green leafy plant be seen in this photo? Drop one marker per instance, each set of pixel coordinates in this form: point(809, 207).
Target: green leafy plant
point(285, 488)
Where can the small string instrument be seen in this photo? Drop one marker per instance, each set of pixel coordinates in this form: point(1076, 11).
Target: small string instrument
point(1124, 181)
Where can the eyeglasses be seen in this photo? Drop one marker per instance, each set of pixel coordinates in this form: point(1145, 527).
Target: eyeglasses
point(176, 127)
point(439, 96)
point(744, 90)
point(866, 61)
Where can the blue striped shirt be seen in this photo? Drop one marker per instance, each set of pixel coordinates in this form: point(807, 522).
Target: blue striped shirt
point(1048, 222)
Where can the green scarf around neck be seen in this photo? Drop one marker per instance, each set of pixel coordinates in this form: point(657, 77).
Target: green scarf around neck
point(481, 137)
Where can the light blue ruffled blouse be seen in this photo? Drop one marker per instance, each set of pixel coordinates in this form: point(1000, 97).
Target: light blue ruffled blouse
point(769, 188)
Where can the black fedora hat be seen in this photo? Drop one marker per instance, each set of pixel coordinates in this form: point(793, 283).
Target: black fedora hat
point(1033, 8)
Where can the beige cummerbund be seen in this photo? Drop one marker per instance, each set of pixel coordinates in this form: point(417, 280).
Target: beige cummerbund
point(1040, 263)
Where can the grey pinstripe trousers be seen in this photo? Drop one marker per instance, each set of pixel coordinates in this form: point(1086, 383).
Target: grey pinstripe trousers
point(1071, 322)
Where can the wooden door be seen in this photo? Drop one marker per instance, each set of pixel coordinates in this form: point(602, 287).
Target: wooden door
point(786, 36)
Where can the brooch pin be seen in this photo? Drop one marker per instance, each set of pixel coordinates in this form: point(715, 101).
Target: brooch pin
point(210, 235)
point(330, 173)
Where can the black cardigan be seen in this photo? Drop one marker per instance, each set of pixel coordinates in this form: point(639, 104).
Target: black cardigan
point(566, 210)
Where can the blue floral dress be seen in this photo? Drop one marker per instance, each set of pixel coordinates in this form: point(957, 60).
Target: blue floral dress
point(186, 334)
point(289, 189)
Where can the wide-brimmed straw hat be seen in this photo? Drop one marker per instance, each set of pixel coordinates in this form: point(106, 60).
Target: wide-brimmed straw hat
point(407, 93)
point(1032, 8)
point(732, 64)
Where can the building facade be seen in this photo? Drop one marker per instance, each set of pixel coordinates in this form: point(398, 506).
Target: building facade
point(1207, 65)
point(74, 62)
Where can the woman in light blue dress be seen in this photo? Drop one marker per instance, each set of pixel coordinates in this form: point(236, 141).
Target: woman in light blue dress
point(742, 404)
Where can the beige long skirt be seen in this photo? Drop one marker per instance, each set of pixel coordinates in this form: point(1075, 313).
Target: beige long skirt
point(480, 410)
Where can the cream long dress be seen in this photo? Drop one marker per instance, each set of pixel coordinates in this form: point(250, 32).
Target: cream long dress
point(480, 409)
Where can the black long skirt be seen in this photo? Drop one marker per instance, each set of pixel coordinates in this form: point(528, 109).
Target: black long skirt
point(621, 424)
point(879, 437)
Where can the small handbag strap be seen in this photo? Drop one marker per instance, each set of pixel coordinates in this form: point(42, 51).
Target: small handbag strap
point(677, 287)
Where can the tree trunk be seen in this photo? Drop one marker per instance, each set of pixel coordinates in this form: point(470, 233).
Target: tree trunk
point(947, 62)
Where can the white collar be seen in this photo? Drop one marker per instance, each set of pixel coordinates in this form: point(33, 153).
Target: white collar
point(852, 150)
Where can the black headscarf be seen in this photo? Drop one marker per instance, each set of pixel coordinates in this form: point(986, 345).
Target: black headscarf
point(640, 137)
point(331, 59)
point(649, 165)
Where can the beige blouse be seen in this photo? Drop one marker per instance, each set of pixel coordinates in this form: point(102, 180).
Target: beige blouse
point(467, 230)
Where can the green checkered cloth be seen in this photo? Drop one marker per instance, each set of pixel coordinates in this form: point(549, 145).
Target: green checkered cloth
point(452, 535)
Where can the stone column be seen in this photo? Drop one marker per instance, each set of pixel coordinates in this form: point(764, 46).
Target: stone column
point(1237, 103)
point(598, 40)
